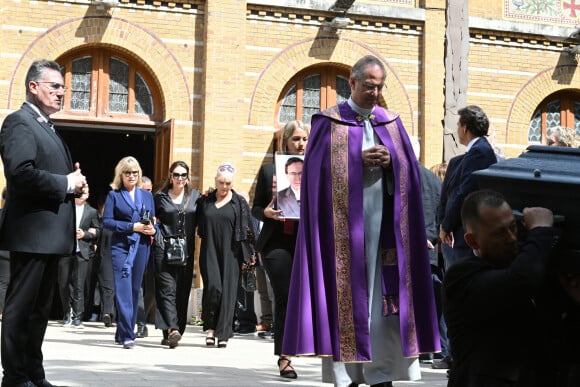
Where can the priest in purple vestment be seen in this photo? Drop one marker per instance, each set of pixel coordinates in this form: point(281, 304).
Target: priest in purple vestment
point(360, 291)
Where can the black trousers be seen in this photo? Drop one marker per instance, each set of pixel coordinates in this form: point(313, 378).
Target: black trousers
point(4, 277)
point(28, 304)
point(72, 274)
point(106, 285)
point(147, 295)
point(172, 289)
point(90, 286)
point(278, 261)
point(245, 319)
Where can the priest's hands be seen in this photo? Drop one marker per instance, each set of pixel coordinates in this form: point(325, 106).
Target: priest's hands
point(376, 156)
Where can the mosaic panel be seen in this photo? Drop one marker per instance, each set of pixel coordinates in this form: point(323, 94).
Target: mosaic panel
point(409, 3)
point(563, 12)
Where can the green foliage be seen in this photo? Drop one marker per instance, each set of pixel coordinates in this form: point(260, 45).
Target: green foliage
point(540, 7)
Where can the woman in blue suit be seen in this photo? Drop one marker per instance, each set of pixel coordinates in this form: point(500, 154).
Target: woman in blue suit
point(129, 214)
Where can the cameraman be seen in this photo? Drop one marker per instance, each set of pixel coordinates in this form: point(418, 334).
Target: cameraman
point(489, 298)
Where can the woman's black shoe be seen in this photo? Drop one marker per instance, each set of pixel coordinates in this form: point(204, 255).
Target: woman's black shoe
point(288, 371)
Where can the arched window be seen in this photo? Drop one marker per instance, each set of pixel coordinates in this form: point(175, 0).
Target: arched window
point(105, 84)
point(558, 109)
point(312, 90)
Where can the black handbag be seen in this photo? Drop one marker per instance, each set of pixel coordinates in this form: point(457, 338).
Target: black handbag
point(249, 278)
point(176, 251)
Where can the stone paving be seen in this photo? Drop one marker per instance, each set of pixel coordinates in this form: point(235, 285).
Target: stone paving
point(90, 357)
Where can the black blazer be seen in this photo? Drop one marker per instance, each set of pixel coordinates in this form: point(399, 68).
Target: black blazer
point(39, 213)
point(263, 197)
point(459, 182)
point(491, 315)
point(167, 218)
point(89, 219)
point(430, 190)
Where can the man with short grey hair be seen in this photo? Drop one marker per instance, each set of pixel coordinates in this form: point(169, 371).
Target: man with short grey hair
point(38, 224)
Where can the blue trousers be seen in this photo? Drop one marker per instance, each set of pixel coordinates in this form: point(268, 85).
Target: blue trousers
point(127, 292)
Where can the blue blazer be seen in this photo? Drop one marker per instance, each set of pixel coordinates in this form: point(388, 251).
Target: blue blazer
point(121, 213)
point(459, 182)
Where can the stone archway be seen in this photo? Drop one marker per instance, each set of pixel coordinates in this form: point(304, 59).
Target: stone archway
point(532, 94)
point(120, 34)
point(309, 52)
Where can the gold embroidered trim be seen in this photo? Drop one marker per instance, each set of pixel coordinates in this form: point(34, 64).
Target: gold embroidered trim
point(339, 179)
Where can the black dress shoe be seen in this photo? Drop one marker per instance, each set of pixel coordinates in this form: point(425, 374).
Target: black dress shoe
point(27, 383)
point(142, 331)
point(246, 330)
point(384, 384)
point(43, 383)
point(443, 364)
point(107, 320)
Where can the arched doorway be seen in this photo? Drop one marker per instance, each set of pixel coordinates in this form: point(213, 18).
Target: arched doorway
point(112, 109)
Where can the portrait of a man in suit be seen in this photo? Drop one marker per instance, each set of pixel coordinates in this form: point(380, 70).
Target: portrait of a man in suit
point(289, 198)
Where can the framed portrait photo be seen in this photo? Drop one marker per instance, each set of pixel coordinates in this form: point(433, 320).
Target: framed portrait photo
point(288, 181)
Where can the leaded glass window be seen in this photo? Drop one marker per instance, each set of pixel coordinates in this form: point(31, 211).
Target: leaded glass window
point(118, 86)
point(143, 98)
point(310, 97)
point(577, 118)
point(535, 128)
point(553, 115)
point(80, 99)
point(104, 83)
point(558, 109)
point(288, 107)
point(311, 91)
point(342, 89)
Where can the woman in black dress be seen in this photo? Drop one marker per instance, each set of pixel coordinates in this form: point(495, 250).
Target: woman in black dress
point(278, 236)
point(175, 206)
point(225, 230)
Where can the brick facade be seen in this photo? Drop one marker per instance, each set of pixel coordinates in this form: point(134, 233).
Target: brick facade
point(220, 65)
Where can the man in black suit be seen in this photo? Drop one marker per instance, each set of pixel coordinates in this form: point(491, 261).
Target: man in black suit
point(489, 299)
point(472, 128)
point(38, 224)
point(73, 269)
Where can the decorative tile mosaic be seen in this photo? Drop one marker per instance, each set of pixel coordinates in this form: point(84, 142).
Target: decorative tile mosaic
point(409, 3)
point(564, 12)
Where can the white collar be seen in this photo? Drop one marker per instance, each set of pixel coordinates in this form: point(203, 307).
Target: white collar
point(471, 143)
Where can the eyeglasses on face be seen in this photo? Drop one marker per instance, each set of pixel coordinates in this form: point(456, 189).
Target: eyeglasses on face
point(368, 87)
point(181, 176)
point(129, 173)
point(53, 87)
point(226, 167)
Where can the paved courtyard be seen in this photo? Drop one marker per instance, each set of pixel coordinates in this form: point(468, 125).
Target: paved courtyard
point(89, 357)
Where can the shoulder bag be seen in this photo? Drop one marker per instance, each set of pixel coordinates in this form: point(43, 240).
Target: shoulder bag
point(175, 252)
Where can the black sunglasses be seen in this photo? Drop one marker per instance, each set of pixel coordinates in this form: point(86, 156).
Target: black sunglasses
point(176, 175)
